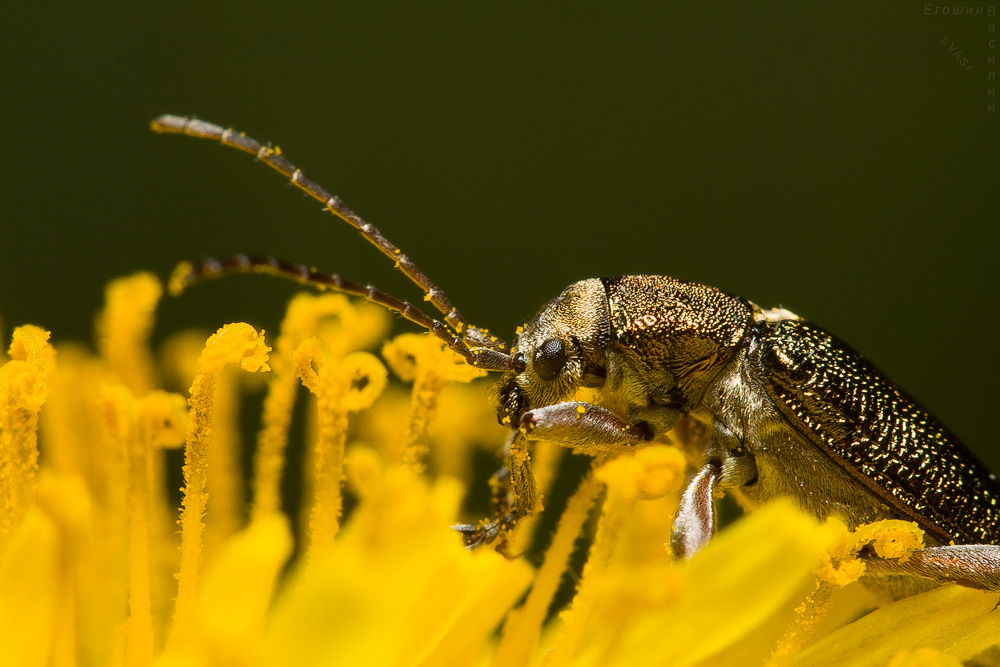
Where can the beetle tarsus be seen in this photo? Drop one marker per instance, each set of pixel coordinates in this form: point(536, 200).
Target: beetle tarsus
point(476, 535)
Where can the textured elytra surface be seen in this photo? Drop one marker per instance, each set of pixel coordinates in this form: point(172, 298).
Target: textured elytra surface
point(844, 405)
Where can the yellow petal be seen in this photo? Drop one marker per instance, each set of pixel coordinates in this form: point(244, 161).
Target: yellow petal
point(923, 657)
point(398, 588)
point(29, 584)
point(957, 621)
point(239, 584)
point(671, 614)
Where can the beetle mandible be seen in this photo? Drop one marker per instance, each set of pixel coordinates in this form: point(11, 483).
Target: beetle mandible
point(789, 409)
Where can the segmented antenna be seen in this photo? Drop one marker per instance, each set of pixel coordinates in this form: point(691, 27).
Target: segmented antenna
point(478, 349)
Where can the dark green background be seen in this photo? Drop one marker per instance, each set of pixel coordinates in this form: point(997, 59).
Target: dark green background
point(833, 159)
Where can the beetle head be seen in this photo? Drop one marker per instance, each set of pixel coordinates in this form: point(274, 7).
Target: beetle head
point(561, 350)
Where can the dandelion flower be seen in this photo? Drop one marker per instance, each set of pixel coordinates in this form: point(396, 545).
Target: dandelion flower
point(102, 563)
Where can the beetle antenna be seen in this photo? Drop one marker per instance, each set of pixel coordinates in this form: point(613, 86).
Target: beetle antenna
point(272, 157)
point(187, 274)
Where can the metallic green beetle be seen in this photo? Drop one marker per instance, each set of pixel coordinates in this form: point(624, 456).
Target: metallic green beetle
point(788, 409)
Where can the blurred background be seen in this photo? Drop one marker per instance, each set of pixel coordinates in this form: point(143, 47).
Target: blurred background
point(837, 159)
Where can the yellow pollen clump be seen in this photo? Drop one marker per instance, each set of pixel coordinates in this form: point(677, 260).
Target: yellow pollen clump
point(889, 539)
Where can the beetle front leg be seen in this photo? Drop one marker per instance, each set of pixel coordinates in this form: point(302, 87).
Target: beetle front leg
point(583, 427)
point(514, 498)
point(475, 535)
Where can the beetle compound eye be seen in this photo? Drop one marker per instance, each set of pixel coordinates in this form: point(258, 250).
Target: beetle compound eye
point(549, 359)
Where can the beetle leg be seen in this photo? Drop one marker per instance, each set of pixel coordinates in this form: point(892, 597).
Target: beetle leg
point(500, 500)
point(695, 521)
point(513, 498)
point(583, 427)
point(522, 480)
point(476, 535)
point(969, 565)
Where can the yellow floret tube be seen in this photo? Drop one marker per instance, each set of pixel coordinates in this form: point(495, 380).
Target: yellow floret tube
point(123, 329)
point(303, 318)
point(427, 363)
point(232, 344)
point(24, 388)
point(340, 388)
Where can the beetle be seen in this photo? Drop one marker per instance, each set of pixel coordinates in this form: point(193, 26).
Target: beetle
point(788, 409)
